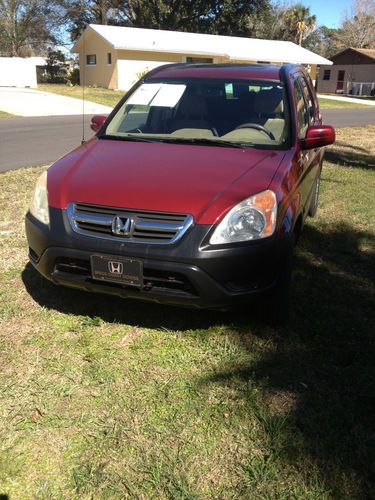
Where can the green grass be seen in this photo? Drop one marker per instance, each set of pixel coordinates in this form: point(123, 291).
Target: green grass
point(327, 103)
point(107, 398)
point(3, 114)
point(98, 95)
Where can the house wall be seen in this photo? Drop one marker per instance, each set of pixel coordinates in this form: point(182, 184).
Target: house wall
point(129, 63)
point(353, 72)
point(101, 74)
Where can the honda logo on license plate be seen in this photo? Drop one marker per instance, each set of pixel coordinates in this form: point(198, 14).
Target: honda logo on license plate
point(115, 267)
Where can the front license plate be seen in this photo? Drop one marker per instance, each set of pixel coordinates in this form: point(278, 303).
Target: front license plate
point(122, 270)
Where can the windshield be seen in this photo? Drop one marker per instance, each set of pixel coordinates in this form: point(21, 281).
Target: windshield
point(244, 113)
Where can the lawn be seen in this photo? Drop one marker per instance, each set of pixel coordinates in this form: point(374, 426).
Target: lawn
point(107, 398)
point(327, 103)
point(3, 114)
point(94, 94)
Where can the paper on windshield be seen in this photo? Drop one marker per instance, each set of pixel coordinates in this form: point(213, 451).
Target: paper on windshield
point(144, 94)
point(168, 95)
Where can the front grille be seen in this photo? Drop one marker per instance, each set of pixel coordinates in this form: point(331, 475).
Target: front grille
point(135, 226)
point(154, 280)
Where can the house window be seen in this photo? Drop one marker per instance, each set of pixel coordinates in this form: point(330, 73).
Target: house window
point(91, 60)
point(327, 74)
point(208, 60)
point(109, 58)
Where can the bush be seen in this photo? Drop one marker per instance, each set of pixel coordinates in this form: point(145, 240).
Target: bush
point(140, 74)
point(73, 77)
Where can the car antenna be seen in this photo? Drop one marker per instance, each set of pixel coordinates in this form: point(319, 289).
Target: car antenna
point(82, 67)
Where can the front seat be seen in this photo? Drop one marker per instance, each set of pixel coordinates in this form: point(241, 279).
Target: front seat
point(192, 113)
point(269, 112)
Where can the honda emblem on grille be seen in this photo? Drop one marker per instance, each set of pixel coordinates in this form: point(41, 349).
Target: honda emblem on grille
point(122, 226)
point(115, 267)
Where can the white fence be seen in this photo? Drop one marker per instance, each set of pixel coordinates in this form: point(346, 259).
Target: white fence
point(356, 88)
point(17, 72)
point(363, 88)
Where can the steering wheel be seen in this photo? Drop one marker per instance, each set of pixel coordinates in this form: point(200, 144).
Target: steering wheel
point(256, 126)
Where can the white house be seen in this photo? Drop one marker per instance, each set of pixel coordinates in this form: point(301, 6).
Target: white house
point(113, 56)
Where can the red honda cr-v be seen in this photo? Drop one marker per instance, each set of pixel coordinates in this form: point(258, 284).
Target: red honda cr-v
point(192, 192)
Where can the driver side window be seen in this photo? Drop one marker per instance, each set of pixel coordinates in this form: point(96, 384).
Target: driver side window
point(302, 111)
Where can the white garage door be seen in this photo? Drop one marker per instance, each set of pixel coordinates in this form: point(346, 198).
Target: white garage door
point(17, 72)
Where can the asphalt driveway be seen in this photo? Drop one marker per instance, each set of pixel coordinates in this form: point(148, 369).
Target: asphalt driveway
point(32, 102)
point(39, 140)
point(347, 117)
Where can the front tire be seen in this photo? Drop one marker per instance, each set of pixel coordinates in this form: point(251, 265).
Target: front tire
point(315, 196)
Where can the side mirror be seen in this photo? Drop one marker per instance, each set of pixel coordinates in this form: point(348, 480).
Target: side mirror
point(97, 122)
point(318, 136)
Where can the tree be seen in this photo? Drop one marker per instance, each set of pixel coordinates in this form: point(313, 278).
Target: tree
point(224, 17)
point(358, 29)
point(56, 69)
point(268, 23)
point(299, 22)
point(28, 27)
point(322, 41)
point(80, 13)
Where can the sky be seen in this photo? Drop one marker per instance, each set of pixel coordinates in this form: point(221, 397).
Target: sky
point(328, 12)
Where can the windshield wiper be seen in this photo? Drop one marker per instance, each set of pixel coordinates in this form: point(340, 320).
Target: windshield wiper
point(207, 142)
point(133, 138)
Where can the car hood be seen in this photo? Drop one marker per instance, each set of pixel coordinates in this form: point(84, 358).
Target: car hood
point(204, 181)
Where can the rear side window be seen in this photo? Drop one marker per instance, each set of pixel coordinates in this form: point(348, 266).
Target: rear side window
point(302, 112)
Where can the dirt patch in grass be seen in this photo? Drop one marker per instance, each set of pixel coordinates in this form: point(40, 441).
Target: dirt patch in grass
point(107, 398)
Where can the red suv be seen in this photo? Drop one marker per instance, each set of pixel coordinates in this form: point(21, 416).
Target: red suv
point(193, 191)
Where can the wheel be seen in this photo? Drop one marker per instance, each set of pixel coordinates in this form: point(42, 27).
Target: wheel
point(315, 197)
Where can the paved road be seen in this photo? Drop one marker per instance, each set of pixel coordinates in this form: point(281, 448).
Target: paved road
point(39, 140)
point(42, 140)
point(348, 117)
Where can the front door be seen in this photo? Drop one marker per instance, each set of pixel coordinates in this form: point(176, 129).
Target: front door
point(340, 80)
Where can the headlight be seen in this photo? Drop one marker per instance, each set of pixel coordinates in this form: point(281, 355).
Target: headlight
point(252, 219)
point(39, 203)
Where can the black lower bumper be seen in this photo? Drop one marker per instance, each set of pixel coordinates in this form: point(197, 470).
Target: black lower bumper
point(184, 273)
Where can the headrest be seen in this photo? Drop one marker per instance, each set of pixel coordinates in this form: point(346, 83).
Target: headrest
point(193, 106)
point(269, 101)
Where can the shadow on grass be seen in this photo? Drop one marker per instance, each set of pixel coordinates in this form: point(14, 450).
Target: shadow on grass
point(324, 358)
point(114, 309)
point(324, 362)
point(345, 154)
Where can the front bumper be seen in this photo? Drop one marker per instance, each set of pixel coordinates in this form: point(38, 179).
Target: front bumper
point(184, 273)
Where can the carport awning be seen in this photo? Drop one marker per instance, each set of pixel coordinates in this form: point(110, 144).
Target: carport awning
point(233, 48)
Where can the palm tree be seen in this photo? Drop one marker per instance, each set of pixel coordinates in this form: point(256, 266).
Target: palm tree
point(299, 22)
